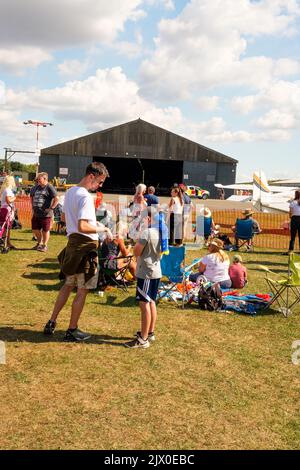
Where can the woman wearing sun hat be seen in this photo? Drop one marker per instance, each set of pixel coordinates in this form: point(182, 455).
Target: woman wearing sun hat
point(215, 265)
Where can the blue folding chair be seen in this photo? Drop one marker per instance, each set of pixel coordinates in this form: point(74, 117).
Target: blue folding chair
point(174, 269)
point(244, 232)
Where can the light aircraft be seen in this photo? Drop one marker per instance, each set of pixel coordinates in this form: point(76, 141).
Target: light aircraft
point(264, 197)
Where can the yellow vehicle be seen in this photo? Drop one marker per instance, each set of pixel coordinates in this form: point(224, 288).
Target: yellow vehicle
point(196, 191)
point(60, 184)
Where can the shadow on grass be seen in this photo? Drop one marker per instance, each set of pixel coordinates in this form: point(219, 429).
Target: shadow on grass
point(12, 335)
point(274, 270)
point(50, 287)
point(267, 263)
point(47, 265)
point(111, 301)
point(41, 276)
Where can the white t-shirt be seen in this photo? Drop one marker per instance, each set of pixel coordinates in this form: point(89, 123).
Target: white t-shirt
point(7, 192)
point(176, 207)
point(216, 270)
point(295, 208)
point(78, 205)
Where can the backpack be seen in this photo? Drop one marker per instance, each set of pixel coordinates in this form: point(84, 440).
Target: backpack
point(210, 298)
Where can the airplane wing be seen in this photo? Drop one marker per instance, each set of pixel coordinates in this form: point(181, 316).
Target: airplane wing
point(242, 187)
point(282, 189)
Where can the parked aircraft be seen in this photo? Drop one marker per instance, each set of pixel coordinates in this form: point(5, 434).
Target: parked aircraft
point(264, 197)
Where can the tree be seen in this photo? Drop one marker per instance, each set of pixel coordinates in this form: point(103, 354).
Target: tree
point(16, 166)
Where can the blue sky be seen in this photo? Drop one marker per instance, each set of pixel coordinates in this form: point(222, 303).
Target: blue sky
point(225, 73)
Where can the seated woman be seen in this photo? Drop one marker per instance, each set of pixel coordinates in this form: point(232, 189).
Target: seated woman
point(111, 250)
point(215, 265)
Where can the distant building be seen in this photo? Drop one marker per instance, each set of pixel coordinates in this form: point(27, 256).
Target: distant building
point(136, 152)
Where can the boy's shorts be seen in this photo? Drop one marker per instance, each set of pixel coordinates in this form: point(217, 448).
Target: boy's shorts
point(78, 280)
point(146, 290)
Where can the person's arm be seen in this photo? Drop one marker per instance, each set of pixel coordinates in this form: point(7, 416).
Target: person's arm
point(85, 227)
point(53, 204)
point(290, 213)
point(201, 267)
point(9, 199)
point(122, 247)
point(138, 249)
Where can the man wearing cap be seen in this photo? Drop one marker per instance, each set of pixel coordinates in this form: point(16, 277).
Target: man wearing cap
point(247, 213)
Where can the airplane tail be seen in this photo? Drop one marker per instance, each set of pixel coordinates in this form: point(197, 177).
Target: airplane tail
point(260, 188)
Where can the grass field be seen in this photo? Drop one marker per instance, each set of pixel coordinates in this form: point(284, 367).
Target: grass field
point(210, 381)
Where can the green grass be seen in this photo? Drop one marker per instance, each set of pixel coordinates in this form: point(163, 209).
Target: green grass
point(210, 381)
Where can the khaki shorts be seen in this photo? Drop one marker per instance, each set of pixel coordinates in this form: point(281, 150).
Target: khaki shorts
point(78, 280)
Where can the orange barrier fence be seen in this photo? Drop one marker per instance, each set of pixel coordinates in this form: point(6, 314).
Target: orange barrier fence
point(273, 234)
point(23, 204)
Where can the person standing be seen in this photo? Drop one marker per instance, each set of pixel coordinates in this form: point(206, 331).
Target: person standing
point(221, 194)
point(148, 272)
point(7, 200)
point(175, 217)
point(295, 220)
point(82, 231)
point(43, 199)
point(150, 197)
point(187, 207)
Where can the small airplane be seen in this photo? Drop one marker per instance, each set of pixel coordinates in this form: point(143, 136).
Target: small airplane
point(264, 197)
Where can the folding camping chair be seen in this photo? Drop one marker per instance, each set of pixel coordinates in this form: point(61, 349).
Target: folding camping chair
point(111, 274)
point(174, 269)
point(244, 232)
point(286, 292)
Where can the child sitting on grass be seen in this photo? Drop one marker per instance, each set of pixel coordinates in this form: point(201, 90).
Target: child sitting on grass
point(238, 273)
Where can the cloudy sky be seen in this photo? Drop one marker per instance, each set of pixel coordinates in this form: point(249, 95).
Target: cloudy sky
point(224, 73)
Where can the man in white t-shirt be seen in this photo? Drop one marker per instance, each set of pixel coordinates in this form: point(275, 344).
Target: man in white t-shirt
point(82, 231)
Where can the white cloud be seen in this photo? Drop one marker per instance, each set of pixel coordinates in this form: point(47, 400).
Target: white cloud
point(274, 119)
point(56, 24)
point(130, 49)
point(2, 92)
point(72, 68)
point(282, 102)
point(167, 4)
point(208, 103)
point(109, 98)
point(17, 59)
point(204, 47)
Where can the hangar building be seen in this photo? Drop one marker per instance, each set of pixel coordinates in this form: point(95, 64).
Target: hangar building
point(136, 152)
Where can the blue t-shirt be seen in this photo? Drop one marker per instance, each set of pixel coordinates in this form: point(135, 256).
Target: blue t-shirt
point(151, 199)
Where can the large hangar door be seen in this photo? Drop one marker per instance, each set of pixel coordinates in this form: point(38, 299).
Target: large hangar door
point(127, 173)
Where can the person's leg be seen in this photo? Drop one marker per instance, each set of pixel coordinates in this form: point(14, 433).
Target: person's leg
point(153, 316)
point(38, 236)
point(45, 237)
point(293, 234)
point(77, 307)
point(171, 229)
point(145, 319)
point(46, 225)
point(61, 300)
